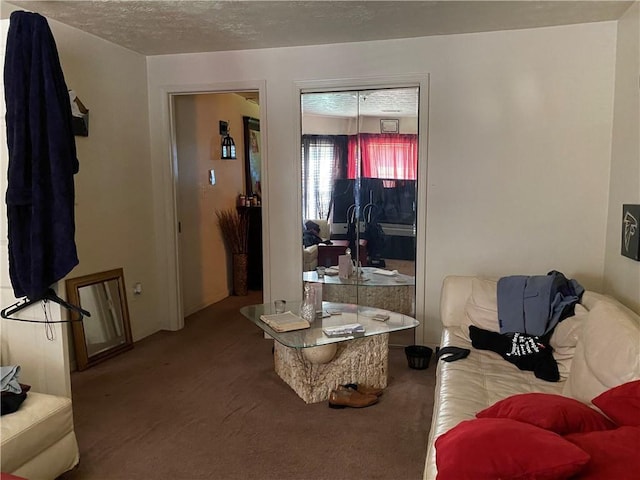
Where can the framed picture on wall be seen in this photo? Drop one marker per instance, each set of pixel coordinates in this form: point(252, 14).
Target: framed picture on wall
point(252, 160)
point(631, 231)
point(389, 125)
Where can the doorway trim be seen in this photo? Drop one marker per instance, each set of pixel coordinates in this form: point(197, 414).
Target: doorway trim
point(381, 82)
point(164, 180)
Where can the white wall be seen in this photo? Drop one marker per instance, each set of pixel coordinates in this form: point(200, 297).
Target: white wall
point(114, 220)
point(621, 274)
point(205, 269)
point(519, 145)
point(114, 208)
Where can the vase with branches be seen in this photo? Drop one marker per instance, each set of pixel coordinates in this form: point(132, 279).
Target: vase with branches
point(235, 232)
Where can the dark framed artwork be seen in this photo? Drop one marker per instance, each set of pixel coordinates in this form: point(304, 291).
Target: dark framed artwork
point(631, 231)
point(252, 162)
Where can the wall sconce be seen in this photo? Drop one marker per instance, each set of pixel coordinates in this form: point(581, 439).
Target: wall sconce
point(228, 145)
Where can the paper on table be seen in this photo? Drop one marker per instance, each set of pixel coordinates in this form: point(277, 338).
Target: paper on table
point(342, 330)
point(285, 322)
point(389, 273)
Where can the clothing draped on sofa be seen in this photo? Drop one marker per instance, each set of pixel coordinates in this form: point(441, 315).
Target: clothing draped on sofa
point(42, 159)
point(12, 392)
point(535, 304)
point(527, 352)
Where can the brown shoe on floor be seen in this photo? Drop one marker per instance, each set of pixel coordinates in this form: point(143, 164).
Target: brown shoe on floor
point(347, 397)
point(364, 389)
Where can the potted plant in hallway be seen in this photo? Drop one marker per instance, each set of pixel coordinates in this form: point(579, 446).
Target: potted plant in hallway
point(235, 231)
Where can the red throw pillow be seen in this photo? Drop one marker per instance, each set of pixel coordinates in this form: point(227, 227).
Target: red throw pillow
point(8, 476)
point(621, 404)
point(559, 414)
point(614, 453)
point(491, 448)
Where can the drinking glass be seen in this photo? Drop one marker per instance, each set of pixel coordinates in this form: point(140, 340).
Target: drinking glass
point(280, 306)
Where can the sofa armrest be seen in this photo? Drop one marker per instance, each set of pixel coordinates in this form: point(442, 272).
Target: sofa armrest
point(453, 298)
point(310, 258)
point(38, 440)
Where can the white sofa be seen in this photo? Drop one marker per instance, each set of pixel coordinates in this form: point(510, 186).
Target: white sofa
point(597, 349)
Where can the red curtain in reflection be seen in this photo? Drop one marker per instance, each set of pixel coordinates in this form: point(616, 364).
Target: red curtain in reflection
point(386, 155)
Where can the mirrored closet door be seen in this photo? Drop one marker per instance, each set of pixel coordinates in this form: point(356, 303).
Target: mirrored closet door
point(359, 195)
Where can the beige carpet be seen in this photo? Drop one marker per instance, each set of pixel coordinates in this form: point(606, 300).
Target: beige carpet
point(205, 403)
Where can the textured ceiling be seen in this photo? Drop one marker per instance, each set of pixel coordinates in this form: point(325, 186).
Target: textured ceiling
point(395, 103)
point(165, 27)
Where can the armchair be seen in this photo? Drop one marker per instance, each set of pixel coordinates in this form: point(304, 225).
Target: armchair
point(310, 254)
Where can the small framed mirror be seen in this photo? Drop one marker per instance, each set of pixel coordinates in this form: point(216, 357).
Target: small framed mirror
point(107, 332)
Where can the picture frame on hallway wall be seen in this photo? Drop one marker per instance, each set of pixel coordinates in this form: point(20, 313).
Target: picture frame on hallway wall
point(252, 159)
point(631, 231)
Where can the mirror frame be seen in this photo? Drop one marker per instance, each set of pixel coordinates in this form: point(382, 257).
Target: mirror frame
point(83, 360)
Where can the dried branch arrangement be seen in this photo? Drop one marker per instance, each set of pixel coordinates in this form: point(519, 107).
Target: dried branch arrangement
point(235, 229)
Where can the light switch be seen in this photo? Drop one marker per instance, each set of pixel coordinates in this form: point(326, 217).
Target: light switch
point(212, 177)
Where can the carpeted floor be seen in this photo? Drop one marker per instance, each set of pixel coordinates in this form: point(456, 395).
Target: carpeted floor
point(205, 403)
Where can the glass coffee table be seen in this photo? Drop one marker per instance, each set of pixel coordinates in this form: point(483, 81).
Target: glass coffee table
point(313, 364)
point(390, 292)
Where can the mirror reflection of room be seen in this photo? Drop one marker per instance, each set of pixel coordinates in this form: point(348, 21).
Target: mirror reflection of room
point(359, 184)
point(103, 300)
point(359, 173)
point(107, 332)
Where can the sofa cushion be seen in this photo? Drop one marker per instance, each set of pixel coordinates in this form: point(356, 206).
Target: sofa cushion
point(614, 453)
point(310, 258)
point(481, 309)
point(590, 299)
point(608, 352)
point(565, 339)
point(621, 404)
point(556, 413)
point(41, 421)
point(491, 448)
point(456, 290)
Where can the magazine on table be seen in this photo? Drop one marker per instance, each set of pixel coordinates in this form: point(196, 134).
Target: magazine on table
point(285, 322)
point(342, 330)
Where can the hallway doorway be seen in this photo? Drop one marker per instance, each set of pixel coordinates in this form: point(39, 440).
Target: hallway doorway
point(204, 184)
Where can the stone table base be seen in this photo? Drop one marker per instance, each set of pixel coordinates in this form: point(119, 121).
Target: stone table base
point(362, 360)
point(393, 298)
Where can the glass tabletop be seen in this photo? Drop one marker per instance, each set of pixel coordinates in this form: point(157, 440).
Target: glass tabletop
point(368, 278)
point(314, 336)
